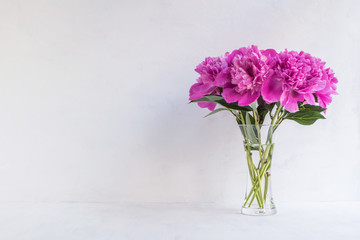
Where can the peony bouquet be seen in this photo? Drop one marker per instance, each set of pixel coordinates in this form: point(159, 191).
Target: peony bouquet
point(262, 88)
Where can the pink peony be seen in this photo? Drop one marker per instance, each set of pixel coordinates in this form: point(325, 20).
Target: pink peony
point(246, 73)
point(295, 77)
point(242, 80)
point(208, 70)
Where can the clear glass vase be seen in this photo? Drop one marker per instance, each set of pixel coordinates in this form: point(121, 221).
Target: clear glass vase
point(259, 147)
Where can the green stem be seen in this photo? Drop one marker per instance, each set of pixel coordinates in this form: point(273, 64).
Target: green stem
point(266, 186)
point(250, 162)
point(276, 115)
point(261, 173)
point(258, 133)
point(257, 174)
point(252, 176)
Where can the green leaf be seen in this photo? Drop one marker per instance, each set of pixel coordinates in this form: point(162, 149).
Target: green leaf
point(263, 109)
point(220, 100)
point(213, 98)
point(249, 119)
point(216, 111)
point(305, 117)
point(250, 129)
point(313, 108)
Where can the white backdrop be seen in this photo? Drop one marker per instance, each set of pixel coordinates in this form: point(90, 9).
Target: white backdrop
point(93, 100)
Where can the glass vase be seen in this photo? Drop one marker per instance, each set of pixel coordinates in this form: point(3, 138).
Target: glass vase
point(259, 148)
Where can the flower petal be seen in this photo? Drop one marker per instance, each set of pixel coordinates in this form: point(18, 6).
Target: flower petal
point(272, 88)
point(230, 95)
point(244, 99)
point(310, 99)
point(290, 99)
point(198, 90)
point(324, 99)
point(223, 79)
point(269, 52)
point(248, 98)
point(208, 105)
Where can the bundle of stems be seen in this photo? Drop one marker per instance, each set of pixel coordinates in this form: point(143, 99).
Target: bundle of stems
point(250, 125)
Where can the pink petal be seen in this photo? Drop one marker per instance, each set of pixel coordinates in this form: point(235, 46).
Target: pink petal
point(230, 96)
point(289, 99)
point(241, 51)
point(284, 98)
point(223, 79)
point(310, 99)
point(272, 88)
point(269, 52)
point(324, 99)
point(198, 90)
point(210, 106)
point(248, 98)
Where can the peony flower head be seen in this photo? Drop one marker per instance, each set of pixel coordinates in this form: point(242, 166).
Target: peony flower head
point(208, 70)
point(242, 79)
point(294, 77)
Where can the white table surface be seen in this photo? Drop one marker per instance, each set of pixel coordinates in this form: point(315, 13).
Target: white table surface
point(103, 221)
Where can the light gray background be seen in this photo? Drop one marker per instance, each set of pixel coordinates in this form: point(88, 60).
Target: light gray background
point(93, 101)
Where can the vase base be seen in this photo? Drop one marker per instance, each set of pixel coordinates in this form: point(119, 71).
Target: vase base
point(258, 211)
